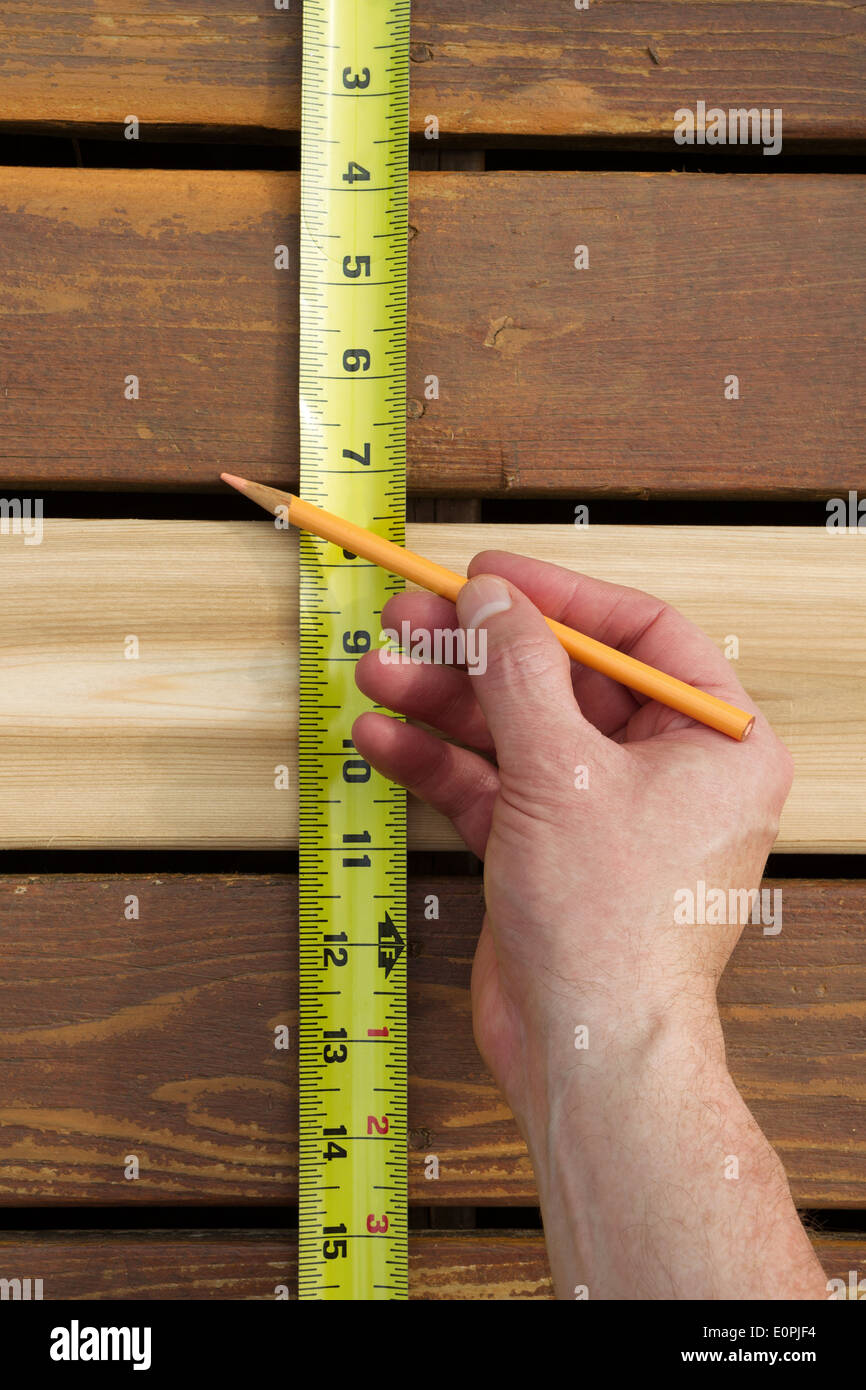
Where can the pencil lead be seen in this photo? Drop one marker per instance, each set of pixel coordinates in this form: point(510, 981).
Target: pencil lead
point(233, 481)
point(269, 498)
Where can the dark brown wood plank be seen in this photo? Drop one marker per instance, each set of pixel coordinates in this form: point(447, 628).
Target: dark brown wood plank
point(154, 1037)
point(552, 381)
point(138, 1265)
point(579, 383)
point(793, 1013)
point(614, 70)
point(154, 1264)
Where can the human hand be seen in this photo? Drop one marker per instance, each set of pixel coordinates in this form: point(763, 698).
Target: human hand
point(600, 810)
point(602, 807)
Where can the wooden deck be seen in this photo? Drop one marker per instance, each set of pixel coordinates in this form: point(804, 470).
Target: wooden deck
point(557, 386)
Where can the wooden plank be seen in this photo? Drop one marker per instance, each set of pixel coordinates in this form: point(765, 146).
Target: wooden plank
point(154, 1036)
point(552, 381)
point(546, 69)
point(778, 590)
point(145, 1265)
point(490, 1265)
point(151, 1038)
point(154, 1264)
point(179, 747)
point(793, 1027)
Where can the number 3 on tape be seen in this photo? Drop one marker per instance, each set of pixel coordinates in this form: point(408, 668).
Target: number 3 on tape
point(354, 205)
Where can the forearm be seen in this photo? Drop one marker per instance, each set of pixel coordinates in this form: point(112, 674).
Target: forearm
point(656, 1182)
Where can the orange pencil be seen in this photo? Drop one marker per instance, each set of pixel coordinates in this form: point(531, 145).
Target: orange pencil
point(657, 685)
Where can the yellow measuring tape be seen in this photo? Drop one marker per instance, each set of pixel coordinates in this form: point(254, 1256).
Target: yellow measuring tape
point(354, 230)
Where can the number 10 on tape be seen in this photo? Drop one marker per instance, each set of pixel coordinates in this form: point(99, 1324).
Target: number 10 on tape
point(354, 202)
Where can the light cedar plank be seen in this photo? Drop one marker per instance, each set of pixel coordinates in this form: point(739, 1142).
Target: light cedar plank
point(539, 69)
point(154, 1036)
point(179, 747)
point(552, 381)
point(180, 1265)
point(795, 598)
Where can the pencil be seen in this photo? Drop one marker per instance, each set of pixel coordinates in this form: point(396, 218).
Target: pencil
point(627, 670)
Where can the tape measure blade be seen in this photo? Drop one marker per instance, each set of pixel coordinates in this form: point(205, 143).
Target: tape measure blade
point(354, 237)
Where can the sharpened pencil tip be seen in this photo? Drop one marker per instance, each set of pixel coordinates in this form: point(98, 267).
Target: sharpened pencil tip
point(233, 481)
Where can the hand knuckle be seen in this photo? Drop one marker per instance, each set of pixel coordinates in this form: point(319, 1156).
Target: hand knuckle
point(527, 658)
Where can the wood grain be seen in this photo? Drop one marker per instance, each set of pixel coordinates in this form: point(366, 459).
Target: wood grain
point(178, 748)
point(126, 1265)
point(154, 1037)
point(541, 69)
point(552, 381)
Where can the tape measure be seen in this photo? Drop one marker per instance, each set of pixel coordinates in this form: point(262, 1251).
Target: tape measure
point(354, 234)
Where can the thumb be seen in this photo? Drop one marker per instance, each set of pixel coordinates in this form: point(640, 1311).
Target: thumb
point(522, 676)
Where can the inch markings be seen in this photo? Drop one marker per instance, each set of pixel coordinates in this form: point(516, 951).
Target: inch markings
point(354, 247)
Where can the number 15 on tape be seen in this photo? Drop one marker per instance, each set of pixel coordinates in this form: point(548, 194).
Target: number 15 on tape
point(354, 203)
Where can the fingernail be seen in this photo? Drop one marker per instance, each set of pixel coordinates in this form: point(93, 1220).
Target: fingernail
point(481, 598)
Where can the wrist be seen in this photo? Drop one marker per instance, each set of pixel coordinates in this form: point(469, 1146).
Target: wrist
point(591, 1072)
point(655, 1111)
point(656, 1182)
